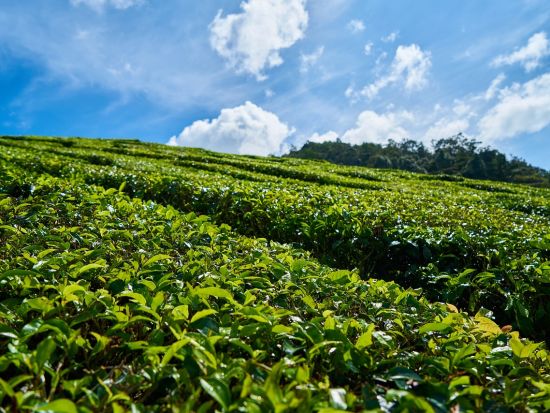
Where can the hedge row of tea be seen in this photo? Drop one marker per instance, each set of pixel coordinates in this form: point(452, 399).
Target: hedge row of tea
point(471, 243)
point(112, 303)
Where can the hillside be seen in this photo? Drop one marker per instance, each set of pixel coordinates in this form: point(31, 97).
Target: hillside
point(456, 155)
point(142, 277)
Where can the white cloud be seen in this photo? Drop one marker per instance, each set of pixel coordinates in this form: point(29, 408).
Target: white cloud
point(245, 129)
point(378, 128)
point(368, 48)
point(251, 41)
point(445, 128)
point(410, 66)
point(390, 38)
point(330, 136)
point(493, 89)
point(309, 60)
point(98, 5)
point(356, 26)
point(528, 56)
point(521, 108)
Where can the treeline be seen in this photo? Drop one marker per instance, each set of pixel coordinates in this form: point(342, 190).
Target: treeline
point(456, 155)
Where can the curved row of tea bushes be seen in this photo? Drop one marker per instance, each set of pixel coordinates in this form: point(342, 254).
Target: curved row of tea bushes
point(486, 246)
point(109, 303)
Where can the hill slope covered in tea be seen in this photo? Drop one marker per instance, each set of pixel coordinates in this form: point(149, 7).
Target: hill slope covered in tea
point(142, 276)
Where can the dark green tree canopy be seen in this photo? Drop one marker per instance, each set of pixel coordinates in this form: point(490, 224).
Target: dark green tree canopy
point(456, 155)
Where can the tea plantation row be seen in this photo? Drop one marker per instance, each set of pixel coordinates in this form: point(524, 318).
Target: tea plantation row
point(471, 243)
point(111, 303)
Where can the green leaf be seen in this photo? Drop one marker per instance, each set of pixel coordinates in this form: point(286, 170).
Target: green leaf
point(59, 406)
point(157, 301)
point(487, 325)
point(45, 252)
point(181, 312)
point(89, 267)
point(136, 297)
point(44, 351)
point(174, 348)
point(272, 387)
point(247, 386)
point(281, 329)
point(156, 258)
point(431, 327)
point(5, 389)
point(464, 352)
point(101, 343)
point(309, 301)
point(365, 339)
point(214, 292)
point(522, 350)
point(218, 390)
point(201, 314)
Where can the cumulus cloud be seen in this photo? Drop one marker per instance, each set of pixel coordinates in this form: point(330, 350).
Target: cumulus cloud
point(378, 128)
point(251, 41)
point(529, 56)
point(246, 129)
point(309, 60)
point(98, 5)
point(521, 108)
point(356, 26)
point(410, 66)
point(390, 38)
point(330, 136)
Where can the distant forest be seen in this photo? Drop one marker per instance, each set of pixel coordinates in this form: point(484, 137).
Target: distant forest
point(456, 155)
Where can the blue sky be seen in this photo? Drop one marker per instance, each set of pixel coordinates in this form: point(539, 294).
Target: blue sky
point(257, 76)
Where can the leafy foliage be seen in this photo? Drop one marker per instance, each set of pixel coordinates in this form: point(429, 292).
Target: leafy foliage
point(124, 297)
point(456, 155)
point(474, 244)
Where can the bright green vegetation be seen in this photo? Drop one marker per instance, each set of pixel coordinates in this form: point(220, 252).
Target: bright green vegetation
point(124, 295)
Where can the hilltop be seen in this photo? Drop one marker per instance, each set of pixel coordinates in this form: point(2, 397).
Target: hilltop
point(456, 155)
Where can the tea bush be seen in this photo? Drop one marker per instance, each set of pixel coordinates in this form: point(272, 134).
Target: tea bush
point(476, 244)
point(112, 303)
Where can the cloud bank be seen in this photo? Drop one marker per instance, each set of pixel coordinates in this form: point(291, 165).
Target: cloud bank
point(244, 130)
point(378, 128)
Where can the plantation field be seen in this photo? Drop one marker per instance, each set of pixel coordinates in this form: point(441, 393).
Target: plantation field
point(140, 276)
